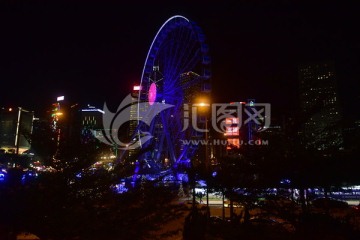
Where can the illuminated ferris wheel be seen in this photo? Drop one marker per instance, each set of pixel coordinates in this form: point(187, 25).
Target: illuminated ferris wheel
point(176, 71)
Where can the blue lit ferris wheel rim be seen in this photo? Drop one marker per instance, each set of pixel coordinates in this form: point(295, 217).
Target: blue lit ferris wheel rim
point(155, 38)
point(170, 24)
point(178, 48)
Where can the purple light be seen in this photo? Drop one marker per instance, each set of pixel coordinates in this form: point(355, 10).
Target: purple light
point(136, 171)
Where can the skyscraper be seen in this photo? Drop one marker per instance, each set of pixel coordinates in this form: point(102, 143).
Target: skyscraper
point(320, 106)
point(91, 119)
point(15, 129)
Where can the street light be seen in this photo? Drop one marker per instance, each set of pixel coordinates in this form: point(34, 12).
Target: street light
point(204, 105)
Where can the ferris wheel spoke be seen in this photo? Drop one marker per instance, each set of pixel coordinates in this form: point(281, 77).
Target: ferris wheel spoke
point(172, 72)
point(180, 47)
point(179, 55)
point(183, 63)
point(191, 63)
point(171, 53)
point(161, 144)
point(166, 133)
point(191, 49)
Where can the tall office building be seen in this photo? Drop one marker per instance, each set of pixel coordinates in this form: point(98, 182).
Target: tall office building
point(320, 107)
point(65, 124)
point(196, 93)
point(62, 118)
point(236, 131)
point(91, 119)
point(15, 129)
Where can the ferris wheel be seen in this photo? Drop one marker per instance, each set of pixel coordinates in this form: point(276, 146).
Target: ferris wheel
point(176, 71)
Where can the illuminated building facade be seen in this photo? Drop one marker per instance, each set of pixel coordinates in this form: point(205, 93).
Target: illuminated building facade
point(240, 129)
point(232, 133)
point(15, 129)
point(197, 95)
point(190, 91)
point(133, 123)
point(59, 118)
point(65, 124)
point(319, 103)
point(91, 119)
point(251, 125)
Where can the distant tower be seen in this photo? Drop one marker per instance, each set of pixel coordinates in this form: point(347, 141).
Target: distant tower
point(251, 125)
point(132, 134)
point(59, 123)
point(319, 103)
point(64, 118)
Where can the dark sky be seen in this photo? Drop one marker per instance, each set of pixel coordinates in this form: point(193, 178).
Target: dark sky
point(94, 51)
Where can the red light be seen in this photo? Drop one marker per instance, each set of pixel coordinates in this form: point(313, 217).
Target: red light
point(137, 88)
point(237, 102)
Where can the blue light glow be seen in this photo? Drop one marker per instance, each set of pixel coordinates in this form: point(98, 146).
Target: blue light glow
point(285, 181)
point(136, 171)
point(120, 188)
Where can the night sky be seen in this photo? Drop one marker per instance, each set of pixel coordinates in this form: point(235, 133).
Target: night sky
point(93, 52)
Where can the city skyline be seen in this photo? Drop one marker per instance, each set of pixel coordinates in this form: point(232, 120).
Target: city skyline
point(94, 53)
point(244, 124)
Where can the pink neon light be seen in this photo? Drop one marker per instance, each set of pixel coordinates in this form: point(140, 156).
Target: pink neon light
point(152, 94)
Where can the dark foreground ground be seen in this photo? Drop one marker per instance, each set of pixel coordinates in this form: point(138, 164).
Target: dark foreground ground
point(58, 209)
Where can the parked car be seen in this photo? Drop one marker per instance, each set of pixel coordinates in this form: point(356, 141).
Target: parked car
point(189, 203)
point(270, 222)
point(215, 220)
point(262, 221)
